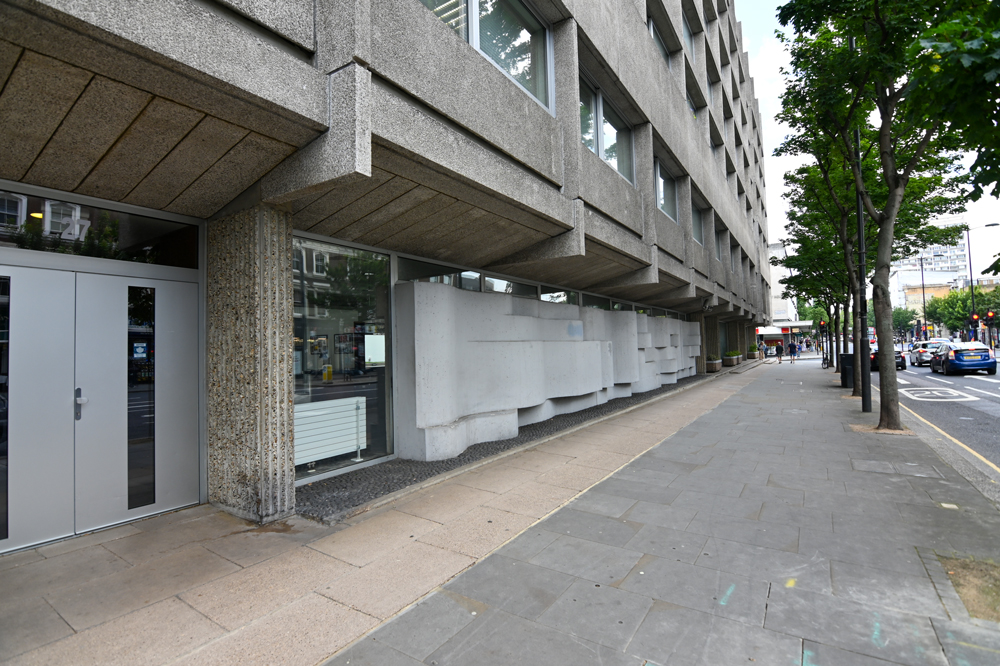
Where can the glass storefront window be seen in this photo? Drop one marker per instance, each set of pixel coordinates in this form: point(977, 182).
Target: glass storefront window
point(498, 286)
point(47, 225)
point(342, 345)
point(591, 301)
point(141, 354)
point(556, 295)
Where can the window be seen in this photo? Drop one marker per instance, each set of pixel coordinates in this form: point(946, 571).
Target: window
point(60, 216)
point(557, 295)
point(711, 91)
point(596, 302)
point(613, 143)
point(697, 225)
point(319, 263)
point(734, 253)
point(666, 192)
point(12, 208)
point(508, 33)
point(688, 37)
point(718, 245)
point(498, 286)
point(661, 47)
point(692, 106)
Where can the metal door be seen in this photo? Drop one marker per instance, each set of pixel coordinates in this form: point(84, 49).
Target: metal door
point(136, 427)
point(36, 406)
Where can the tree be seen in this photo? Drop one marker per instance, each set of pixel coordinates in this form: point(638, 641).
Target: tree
point(903, 318)
point(837, 87)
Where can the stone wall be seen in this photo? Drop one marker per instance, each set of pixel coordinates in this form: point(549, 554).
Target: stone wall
point(473, 367)
point(249, 364)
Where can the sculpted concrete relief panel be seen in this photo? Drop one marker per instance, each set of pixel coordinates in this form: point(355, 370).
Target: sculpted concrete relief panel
point(249, 364)
point(473, 367)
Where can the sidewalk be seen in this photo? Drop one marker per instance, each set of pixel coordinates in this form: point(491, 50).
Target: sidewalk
point(763, 530)
point(201, 587)
point(766, 531)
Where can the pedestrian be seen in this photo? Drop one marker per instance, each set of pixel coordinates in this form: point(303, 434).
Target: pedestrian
point(779, 350)
point(792, 348)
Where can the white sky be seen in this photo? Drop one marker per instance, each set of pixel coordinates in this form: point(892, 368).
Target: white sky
point(766, 57)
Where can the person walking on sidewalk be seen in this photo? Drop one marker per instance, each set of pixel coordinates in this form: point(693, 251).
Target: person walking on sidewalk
point(792, 349)
point(779, 350)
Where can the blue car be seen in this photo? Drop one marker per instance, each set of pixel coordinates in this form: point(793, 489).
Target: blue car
point(955, 357)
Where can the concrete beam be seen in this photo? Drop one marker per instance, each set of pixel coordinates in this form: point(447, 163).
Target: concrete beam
point(645, 275)
point(568, 244)
point(342, 153)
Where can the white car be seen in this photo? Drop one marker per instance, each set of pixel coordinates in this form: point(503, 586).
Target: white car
point(922, 351)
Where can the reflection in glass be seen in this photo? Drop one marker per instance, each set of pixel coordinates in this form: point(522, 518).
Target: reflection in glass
point(496, 285)
point(341, 336)
point(588, 109)
point(34, 223)
point(617, 142)
point(141, 397)
point(557, 295)
point(591, 301)
point(4, 374)
point(666, 192)
point(660, 46)
point(697, 227)
point(511, 36)
point(452, 12)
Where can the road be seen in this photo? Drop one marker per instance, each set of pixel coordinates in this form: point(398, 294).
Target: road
point(967, 407)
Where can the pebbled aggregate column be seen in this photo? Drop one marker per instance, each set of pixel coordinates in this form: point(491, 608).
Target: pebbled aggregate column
point(251, 471)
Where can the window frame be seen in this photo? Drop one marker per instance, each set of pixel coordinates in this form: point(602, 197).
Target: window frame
point(661, 45)
point(658, 177)
point(701, 224)
point(22, 207)
point(598, 148)
point(687, 35)
point(472, 39)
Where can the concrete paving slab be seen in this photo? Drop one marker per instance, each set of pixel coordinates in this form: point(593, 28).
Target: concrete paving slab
point(783, 514)
point(597, 613)
point(817, 654)
point(374, 537)
point(390, 583)
point(279, 639)
point(444, 502)
point(514, 587)
point(76, 543)
point(602, 504)
point(596, 562)
point(150, 544)
point(369, 652)
point(43, 577)
point(729, 506)
point(424, 628)
point(662, 515)
point(583, 525)
point(668, 543)
point(698, 588)
point(132, 639)
point(673, 634)
point(500, 639)
point(18, 559)
point(537, 461)
point(496, 478)
point(897, 637)
point(528, 544)
point(266, 541)
point(776, 566)
point(28, 623)
point(753, 532)
point(243, 596)
point(478, 532)
point(968, 645)
point(887, 589)
point(533, 507)
point(102, 599)
point(878, 553)
point(638, 490)
point(573, 476)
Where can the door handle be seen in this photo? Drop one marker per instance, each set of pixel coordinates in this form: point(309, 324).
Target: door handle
point(79, 403)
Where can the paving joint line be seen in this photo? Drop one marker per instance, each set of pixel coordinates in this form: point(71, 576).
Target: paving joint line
point(943, 586)
point(380, 502)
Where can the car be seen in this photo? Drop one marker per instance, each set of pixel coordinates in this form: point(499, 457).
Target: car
point(900, 361)
point(922, 350)
point(955, 357)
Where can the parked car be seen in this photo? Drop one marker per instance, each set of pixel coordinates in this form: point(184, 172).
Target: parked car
point(955, 357)
point(921, 351)
point(900, 361)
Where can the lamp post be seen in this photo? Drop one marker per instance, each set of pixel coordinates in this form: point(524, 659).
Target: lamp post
point(972, 281)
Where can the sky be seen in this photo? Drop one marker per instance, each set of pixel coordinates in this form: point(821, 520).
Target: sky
point(766, 58)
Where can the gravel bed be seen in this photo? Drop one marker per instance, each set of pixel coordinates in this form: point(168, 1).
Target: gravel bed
point(335, 498)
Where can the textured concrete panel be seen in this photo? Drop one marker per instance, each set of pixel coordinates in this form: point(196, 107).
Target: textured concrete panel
point(200, 149)
point(237, 170)
point(292, 19)
point(153, 134)
point(9, 54)
point(38, 95)
point(103, 112)
point(249, 375)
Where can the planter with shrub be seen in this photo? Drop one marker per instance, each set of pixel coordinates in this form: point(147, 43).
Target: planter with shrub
point(732, 358)
point(712, 363)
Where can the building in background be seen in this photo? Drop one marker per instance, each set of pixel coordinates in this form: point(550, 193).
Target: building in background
point(275, 241)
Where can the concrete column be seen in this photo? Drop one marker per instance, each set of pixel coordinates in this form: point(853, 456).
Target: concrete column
point(645, 179)
point(251, 470)
point(567, 90)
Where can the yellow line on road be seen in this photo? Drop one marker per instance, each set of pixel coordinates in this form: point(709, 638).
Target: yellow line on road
point(975, 453)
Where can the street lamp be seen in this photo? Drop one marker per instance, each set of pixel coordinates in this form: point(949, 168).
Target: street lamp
point(972, 280)
point(923, 294)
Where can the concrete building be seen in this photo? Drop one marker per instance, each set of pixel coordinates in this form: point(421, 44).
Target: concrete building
point(908, 291)
point(782, 309)
point(329, 233)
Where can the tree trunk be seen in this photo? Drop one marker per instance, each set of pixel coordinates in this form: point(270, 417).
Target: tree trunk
point(835, 327)
point(847, 323)
point(888, 388)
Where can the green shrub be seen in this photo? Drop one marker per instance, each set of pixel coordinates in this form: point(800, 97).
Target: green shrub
point(752, 348)
point(734, 353)
point(711, 357)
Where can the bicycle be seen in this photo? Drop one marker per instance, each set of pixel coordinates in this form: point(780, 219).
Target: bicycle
point(826, 362)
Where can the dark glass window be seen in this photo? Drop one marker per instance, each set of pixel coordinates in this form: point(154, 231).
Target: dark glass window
point(47, 225)
point(141, 397)
point(4, 374)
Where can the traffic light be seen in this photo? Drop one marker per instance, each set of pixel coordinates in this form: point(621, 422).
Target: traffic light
point(990, 318)
point(822, 326)
point(974, 320)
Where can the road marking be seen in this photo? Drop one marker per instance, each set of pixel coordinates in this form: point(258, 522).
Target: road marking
point(975, 453)
point(992, 395)
point(902, 381)
point(985, 379)
point(941, 380)
point(930, 394)
point(911, 372)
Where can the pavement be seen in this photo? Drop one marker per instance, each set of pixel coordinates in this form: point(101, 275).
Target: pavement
point(743, 520)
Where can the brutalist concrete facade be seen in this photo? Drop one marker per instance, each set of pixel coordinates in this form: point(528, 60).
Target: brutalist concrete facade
point(373, 122)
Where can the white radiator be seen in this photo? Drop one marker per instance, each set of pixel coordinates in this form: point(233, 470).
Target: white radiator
point(329, 428)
